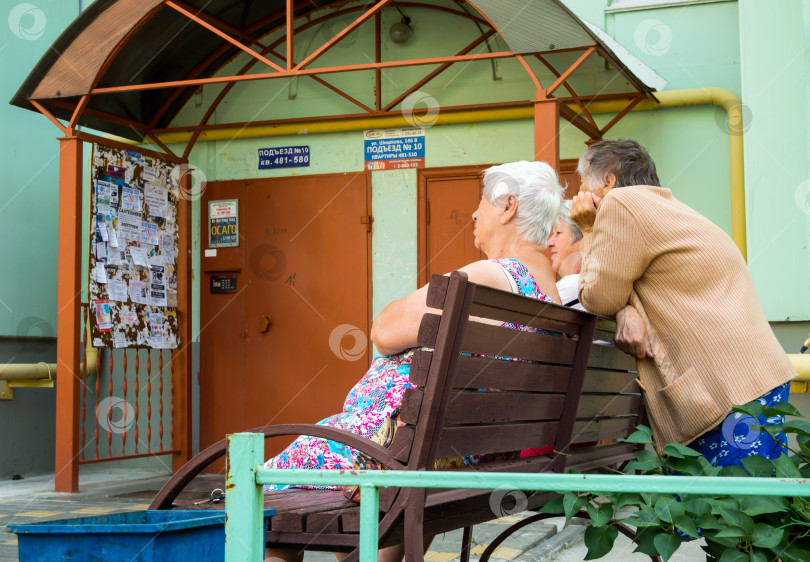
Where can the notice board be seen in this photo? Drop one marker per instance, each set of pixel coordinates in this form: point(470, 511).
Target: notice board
point(133, 250)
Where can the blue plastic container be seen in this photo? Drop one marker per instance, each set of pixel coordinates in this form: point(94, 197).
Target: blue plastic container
point(145, 536)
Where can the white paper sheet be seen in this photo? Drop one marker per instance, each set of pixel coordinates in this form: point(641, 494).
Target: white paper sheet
point(157, 199)
point(138, 292)
point(117, 290)
point(139, 256)
point(129, 225)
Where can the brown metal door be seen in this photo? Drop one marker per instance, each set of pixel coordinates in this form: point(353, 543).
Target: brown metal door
point(446, 228)
point(306, 302)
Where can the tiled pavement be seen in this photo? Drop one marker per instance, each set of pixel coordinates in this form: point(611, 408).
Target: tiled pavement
point(107, 491)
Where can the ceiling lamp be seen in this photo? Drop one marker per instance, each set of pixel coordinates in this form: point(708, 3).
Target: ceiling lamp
point(401, 31)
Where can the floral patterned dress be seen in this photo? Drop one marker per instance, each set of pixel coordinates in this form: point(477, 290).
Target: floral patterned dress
point(374, 400)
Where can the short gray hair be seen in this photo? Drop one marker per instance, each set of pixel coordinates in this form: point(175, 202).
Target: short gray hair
point(626, 159)
point(565, 217)
point(538, 191)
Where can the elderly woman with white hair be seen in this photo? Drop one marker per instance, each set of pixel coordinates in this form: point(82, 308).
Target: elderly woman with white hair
point(566, 259)
point(519, 207)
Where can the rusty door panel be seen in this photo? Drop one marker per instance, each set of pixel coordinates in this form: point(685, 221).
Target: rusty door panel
point(450, 241)
point(307, 296)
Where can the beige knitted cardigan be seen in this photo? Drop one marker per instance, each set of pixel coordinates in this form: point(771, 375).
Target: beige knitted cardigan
point(713, 346)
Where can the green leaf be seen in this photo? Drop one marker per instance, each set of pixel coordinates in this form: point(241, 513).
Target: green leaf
point(667, 544)
point(732, 532)
point(757, 505)
point(645, 465)
point(600, 514)
point(733, 470)
point(766, 536)
point(572, 503)
point(680, 451)
point(668, 508)
point(733, 555)
point(687, 466)
point(804, 443)
point(753, 409)
point(643, 518)
point(633, 499)
point(686, 525)
point(643, 434)
point(554, 506)
point(708, 521)
point(783, 409)
point(599, 541)
point(757, 556)
point(738, 519)
point(792, 553)
point(645, 541)
point(697, 506)
point(758, 466)
point(785, 467)
point(796, 426)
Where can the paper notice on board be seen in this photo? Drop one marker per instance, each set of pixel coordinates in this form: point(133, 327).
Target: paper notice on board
point(139, 256)
point(112, 235)
point(120, 340)
point(167, 248)
point(103, 316)
point(131, 199)
point(129, 225)
point(149, 233)
point(117, 290)
point(116, 257)
point(103, 193)
point(157, 286)
point(157, 199)
point(101, 228)
point(138, 292)
point(101, 251)
point(104, 210)
point(128, 316)
point(99, 273)
point(157, 329)
point(148, 173)
point(114, 195)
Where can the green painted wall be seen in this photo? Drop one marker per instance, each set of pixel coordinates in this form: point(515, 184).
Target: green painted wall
point(29, 168)
point(775, 90)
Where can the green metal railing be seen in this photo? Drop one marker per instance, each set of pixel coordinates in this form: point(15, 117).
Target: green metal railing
point(244, 498)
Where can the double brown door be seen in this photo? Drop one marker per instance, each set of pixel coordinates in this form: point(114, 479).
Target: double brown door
point(290, 340)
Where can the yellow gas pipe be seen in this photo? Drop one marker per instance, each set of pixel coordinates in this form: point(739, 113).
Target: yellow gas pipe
point(676, 98)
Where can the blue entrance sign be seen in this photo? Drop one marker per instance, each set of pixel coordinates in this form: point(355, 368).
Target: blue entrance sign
point(283, 157)
point(387, 149)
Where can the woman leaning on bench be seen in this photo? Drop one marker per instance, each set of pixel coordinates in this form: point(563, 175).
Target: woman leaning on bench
point(710, 345)
point(519, 206)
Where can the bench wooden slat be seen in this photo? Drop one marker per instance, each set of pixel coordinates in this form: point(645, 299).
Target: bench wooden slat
point(588, 431)
point(500, 438)
point(295, 519)
point(603, 405)
point(484, 372)
point(469, 406)
point(609, 357)
point(524, 319)
point(495, 341)
point(615, 382)
point(346, 520)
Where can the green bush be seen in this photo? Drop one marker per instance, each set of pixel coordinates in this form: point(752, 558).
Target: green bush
point(736, 529)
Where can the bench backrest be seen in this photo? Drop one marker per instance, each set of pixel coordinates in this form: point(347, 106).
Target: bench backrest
point(472, 401)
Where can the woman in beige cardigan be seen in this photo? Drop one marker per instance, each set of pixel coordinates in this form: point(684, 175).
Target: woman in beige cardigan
point(710, 345)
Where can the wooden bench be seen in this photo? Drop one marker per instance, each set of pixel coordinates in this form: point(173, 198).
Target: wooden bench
point(557, 390)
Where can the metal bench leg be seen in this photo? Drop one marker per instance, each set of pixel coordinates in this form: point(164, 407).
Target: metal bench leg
point(466, 539)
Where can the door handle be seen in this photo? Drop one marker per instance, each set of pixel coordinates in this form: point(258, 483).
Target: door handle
point(265, 325)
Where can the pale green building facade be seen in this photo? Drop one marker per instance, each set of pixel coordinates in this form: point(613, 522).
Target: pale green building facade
point(757, 50)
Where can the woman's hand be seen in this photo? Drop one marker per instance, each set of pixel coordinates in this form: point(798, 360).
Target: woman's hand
point(631, 333)
point(583, 209)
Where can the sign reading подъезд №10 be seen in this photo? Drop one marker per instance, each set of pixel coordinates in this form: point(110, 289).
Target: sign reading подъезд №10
point(393, 149)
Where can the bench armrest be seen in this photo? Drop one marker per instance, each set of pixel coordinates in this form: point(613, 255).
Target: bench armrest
point(172, 488)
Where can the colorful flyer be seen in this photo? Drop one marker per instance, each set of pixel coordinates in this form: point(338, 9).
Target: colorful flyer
point(157, 329)
point(131, 199)
point(149, 233)
point(103, 193)
point(103, 316)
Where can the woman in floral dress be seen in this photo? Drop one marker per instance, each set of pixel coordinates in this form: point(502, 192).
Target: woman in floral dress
point(519, 206)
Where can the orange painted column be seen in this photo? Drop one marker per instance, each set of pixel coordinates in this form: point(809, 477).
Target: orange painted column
point(547, 131)
point(68, 322)
point(181, 357)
